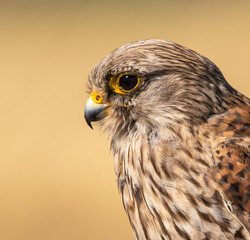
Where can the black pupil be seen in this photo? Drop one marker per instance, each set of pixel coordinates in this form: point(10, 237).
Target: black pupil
point(128, 82)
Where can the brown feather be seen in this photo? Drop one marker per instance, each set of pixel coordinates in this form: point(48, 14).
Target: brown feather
point(232, 159)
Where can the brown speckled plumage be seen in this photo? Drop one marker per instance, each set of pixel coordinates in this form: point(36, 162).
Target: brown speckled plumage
point(180, 141)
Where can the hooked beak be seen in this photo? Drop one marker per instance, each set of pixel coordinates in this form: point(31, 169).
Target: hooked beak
point(94, 111)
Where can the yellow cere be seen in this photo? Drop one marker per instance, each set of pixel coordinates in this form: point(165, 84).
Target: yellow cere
point(96, 97)
point(114, 84)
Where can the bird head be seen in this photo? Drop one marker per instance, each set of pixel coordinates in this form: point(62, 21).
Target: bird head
point(153, 84)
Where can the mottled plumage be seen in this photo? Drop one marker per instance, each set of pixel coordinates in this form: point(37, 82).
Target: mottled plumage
point(180, 139)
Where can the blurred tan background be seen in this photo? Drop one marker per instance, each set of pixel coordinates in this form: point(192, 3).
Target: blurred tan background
point(56, 174)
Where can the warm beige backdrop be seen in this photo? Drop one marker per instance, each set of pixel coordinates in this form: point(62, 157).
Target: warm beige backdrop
point(56, 174)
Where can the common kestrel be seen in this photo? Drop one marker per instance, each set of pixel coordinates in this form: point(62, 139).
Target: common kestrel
point(180, 135)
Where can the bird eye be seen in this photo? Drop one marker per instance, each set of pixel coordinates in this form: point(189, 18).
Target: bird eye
point(123, 83)
point(128, 82)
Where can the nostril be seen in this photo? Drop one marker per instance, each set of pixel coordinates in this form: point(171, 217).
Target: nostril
point(97, 97)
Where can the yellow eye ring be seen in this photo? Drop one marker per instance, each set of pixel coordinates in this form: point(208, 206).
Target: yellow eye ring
point(124, 83)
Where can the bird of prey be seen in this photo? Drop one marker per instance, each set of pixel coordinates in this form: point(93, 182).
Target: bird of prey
point(180, 136)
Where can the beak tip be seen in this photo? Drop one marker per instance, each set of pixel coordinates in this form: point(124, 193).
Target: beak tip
point(88, 122)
